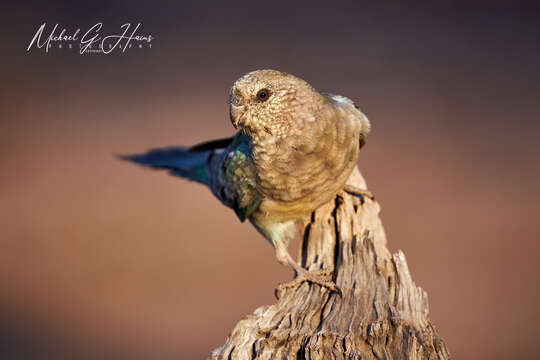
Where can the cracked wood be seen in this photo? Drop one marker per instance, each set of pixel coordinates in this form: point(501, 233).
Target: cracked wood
point(381, 314)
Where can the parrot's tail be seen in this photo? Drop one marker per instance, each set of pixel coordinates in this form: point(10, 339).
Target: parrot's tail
point(188, 162)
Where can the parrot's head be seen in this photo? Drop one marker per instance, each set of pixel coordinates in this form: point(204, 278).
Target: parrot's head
point(270, 103)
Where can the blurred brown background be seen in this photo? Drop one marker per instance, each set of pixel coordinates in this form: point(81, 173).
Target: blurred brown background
point(103, 259)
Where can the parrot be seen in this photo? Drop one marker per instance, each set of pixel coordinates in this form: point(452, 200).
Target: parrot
point(293, 151)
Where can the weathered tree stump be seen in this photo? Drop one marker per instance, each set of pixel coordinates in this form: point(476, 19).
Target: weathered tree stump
point(381, 313)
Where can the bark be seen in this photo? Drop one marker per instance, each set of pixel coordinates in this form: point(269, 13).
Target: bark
point(381, 313)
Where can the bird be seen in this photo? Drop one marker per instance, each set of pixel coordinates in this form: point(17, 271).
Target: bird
point(293, 151)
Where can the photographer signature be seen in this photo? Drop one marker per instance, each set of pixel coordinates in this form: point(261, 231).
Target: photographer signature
point(91, 38)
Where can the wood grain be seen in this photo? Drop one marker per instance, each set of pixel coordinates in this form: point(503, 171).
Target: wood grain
point(381, 313)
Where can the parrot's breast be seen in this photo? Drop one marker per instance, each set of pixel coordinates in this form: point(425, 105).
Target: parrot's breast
point(299, 173)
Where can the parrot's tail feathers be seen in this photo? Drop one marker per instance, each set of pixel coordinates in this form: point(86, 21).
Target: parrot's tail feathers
point(180, 161)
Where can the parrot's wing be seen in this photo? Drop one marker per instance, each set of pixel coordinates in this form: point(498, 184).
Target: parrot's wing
point(213, 144)
point(180, 161)
point(223, 165)
point(237, 181)
point(353, 110)
point(340, 98)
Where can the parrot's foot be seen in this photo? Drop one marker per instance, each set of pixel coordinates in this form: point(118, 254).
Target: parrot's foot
point(361, 193)
point(322, 278)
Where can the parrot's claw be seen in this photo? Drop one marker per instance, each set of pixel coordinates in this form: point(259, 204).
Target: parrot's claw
point(322, 278)
point(361, 193)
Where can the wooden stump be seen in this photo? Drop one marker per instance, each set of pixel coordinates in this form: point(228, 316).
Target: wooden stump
point(381, 313)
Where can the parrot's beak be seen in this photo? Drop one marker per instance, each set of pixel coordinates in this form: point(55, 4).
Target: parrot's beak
point(236, 114)
point(236, 107)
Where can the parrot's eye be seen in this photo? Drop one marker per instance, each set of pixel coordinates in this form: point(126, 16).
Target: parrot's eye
point(263, 94)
